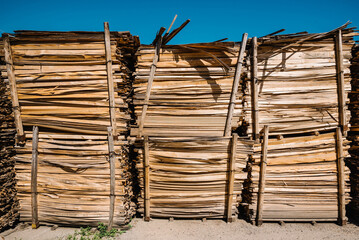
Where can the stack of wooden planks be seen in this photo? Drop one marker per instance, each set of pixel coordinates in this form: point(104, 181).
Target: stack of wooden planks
point(62, 81)
point(9, 204)
point(190, 92)
point(353, 162)
point(188, 177)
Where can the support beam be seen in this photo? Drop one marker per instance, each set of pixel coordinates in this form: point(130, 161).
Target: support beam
point(34, 166)
point(340, 82)
point(237, 76)
point(231, 171)
point(262, 176)
point(111, 152)
point(254, 90)
point(149, 86)
point(341, 177)
point(20, 135)
point(146, 166)
point(110, 82)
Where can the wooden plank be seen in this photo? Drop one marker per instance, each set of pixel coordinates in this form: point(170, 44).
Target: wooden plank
point(13, 91)
point(146, 166)
point(231, 171)
point(262, 176)
point(111, 152)
point(34, 166)
point(254, 90)
point(341, 177)
point(149, 86)
point(340, 81)
point(110, 83)
point(227, 130)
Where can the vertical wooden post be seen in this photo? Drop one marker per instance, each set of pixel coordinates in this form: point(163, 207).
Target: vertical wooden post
point(111, 152)
point(237, 76)
point(146, 165)
point(149, 85)
point(34, 165)
point(341, 177)
point(231, 171)
point(340, 82)
point(262, 176)
point(254, 90)
point(13, 91)
point(110, 83)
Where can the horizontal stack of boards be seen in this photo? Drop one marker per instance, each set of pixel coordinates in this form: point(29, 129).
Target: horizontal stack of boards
point(353, 162)
point(298, 100)
point(61, 80)
point(9, 205)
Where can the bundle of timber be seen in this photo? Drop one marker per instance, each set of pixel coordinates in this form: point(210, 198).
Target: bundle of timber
point(73, 86)
point(295, 82)
point(300, 180)
point(192, 177)
point(190, 92)
point(9, 204)
point(353, 162)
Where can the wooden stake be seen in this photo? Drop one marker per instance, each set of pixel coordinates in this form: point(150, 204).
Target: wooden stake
point(110, 83)
point(149, 86)
point(341, 176)
point(237, 76)
point(13, 91)
point(147, 178)
point(262, 182)
point(340, 81)
point(34, 165)
point(254, 90)
point(231, 170)
point(111, 152)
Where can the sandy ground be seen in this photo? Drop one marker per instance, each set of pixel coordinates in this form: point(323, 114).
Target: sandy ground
point(211, 229)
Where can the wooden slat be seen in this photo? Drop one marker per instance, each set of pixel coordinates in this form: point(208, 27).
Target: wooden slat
point(34, 166)
point(254, 90)
point(110, 83)
point(13, 91)
point(147, 178)
point(227, 130)
point(231, 166)
point(111, 152)
point(341, 177)
point(262, 176)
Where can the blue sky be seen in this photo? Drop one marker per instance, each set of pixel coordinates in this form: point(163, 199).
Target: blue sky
point(210, 20)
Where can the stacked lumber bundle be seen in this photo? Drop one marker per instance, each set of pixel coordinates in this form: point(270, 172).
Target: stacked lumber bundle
point(353, 162)
point(61, 80)
point(9, 204)
point(189, 176)
point(297, 86)
point(190, 91)
point(301, 181)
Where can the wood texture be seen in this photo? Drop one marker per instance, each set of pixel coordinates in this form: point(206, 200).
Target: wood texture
point(112, 158)
point(231, 169)
point(34, 167)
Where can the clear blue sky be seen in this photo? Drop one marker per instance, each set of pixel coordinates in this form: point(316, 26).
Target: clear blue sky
point(210, 20)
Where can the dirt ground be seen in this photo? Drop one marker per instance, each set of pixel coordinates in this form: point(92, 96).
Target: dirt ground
point(159, 229)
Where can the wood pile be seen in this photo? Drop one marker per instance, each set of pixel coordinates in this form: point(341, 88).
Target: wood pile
point(9, 205)
point(189, 176)
point(353, 162)
point(190, 91)
point(61, 80)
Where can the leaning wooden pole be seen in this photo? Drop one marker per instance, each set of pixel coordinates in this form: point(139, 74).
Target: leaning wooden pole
point(231, 172)
point(20, 138)
point(110, 82)
point(34, 166)
point(237, 76)
point(146, 166)
point(340, 81)
point(254, 90)
point(341, 178)
point(111, 152)
point(262, 176)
